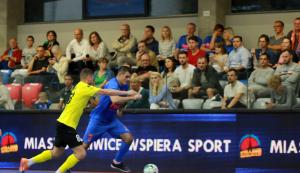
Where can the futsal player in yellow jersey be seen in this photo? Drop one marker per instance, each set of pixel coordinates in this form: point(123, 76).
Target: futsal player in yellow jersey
point(67, 123)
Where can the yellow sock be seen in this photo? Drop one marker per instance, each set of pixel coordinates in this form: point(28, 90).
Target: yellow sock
point(69, 163)
point(43, 157)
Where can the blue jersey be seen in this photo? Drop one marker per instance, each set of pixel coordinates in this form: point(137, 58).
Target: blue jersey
point(182, 43)
point(106, 110)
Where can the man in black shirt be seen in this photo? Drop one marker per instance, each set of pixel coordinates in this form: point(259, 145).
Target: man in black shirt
point(144, 69)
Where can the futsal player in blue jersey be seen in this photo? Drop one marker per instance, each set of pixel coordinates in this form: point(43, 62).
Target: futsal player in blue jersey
point(103, 119)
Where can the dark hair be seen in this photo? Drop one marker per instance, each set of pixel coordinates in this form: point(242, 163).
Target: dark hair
point(103, 59)
point(53, 32)
point(222, 46)
point(289, 51)
point(194, 38)
point(151, 28)
point(182, 52)
point(219, 26)
point(69, 75)
point(174, 65)
point(40, 46)
point(97, 35)
point(124, 69)
point(239, 37)
point(287, 38)
point(265, 54)
point(279, 21)
point(85, 73)
point(30, 36)
point(193, 24)
point(265, 36)
point(297, 18)
point(234, 70)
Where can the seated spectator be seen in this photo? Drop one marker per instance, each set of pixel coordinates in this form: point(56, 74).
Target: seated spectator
point(263, 43)
point(182, 44)
point(275, 40)
point(123, 47)
point(166, 46)
point(149, 39)
point(238, 59)
point(184, 73)
point(219, 58)
point(66, 91)
point(136, 85)
point(51, 41)
point(11, 58)
point(204, 77)
point(288, 71)
point(294, 36)
point(76, 53)
point(234, 92)
point(194, 53)
point(209, 42)
point(61, 63)
point(213, 100)
point(228, 35)
point(144, 69)
point(168, 74)
point(97, 49)
point(160, 97)
point(42, 103)
point(5, 100)
point(39, 62)
point(142, 49)
point(287, 45)
point(259, 77)
point(103, 74)
point(282, 96)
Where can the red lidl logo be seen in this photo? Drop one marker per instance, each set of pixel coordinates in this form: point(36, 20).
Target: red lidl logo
point(8, 142)
point(250, 146)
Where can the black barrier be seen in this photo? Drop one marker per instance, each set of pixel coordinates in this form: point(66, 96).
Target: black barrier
point(176, 141)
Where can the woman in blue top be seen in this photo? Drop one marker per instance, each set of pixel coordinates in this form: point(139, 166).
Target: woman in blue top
point(159, 97)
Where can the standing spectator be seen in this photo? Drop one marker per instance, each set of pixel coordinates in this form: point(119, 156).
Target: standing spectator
point(209, 42)
point(28, 52)
point(43, 103)
point(66, 91)
point(228, 35)
point(51, 41)
point(294, 35)
point(238, 58)
point(219, 58)
point(11, 58)
point(182, 44)
point(235, 92)
point(144, 70)
point(76, 52)
point(61, 63)
point(275, 40)
point(149, 39)
point(123, 47)
point(184, 74)
point(136, 85)
point(204, 77)
point(263, 44)
point(160, 96)
point(143, 49)
point(194, 52)
point(259, 77)
point(168, 74)
point(282, 96)
point(103, 74)
point(167, 46)
point(288, 71)
point(5, 100)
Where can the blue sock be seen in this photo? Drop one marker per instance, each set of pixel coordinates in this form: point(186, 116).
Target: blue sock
point(123, 150)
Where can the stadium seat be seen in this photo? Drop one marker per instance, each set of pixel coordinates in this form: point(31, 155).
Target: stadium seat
point(5, 76)
point(192, 103)
point(298, 100)
point(30, 93)
point(261, 103)
point(15, 91)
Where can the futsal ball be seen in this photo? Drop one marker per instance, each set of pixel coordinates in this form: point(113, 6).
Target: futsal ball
point(150, 168)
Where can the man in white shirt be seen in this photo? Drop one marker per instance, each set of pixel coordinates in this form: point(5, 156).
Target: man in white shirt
point(75, 52)
point(235, 92)
point(184, 73)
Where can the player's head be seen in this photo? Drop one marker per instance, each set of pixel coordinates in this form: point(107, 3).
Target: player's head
point(86, 75)
point(123, 76)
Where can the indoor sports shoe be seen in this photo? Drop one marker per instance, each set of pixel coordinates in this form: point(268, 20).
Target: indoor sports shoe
point(23, 165)
point(120, 167)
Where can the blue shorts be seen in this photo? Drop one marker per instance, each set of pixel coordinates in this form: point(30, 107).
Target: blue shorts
point(96, 129)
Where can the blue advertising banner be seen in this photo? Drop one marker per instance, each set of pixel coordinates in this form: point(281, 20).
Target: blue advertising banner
point(177, 143)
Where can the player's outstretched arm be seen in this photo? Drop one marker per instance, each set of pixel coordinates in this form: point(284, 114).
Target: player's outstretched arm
point(122, 100)
point(112, 92)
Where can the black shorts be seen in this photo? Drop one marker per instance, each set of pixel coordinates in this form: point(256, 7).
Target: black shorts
point(66, 135)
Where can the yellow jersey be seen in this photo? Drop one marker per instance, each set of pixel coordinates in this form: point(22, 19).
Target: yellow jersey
point(78, 100)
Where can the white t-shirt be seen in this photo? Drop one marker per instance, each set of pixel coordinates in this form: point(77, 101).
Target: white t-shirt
point(78, 48)
point(231, 91)
point(27, 54)
point(185, 76)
